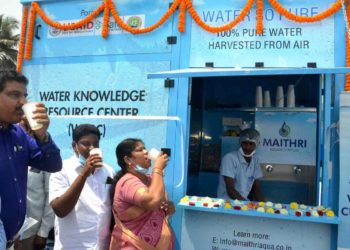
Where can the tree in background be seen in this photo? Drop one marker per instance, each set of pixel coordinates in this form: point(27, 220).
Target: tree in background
point(8, 42)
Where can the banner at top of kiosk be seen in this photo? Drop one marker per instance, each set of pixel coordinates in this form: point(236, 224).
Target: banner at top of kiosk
point(284, 43)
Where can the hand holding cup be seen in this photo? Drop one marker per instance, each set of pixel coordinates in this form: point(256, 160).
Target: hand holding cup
point(38, 119)
point(161, 161)
point(96, 153)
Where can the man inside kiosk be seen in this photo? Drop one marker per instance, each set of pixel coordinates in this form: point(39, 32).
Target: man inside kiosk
point(240, 170)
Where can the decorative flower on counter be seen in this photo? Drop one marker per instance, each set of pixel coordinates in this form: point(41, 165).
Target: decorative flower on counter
point(238, 202)
point(298, 213)
point(237, 207)
point(308, 213)
point(303, 207)
point(227, 205)
point(314, 213)
point(269, 204)
point(278, 206)
point(320, 208)
point(244, 208)
point(330, 213)
point(261, 204)
point(261, 210)
point(294, 205)
point(284, 211)
point(185, 199)
point(252, 205)
point(270, 210)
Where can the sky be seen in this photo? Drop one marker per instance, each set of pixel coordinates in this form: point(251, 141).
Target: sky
point(11, 8)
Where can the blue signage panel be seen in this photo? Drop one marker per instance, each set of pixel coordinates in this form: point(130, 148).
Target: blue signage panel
point(215, 231)
point(88, 40)
point(284, 43)
point(287, 137)
point(86, 91)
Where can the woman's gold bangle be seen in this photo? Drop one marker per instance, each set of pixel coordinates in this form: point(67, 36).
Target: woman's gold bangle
point(158, 171)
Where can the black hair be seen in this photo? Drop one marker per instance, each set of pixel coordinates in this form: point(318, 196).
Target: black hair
point(85, 129)
point(11, 75)
point(123, 149)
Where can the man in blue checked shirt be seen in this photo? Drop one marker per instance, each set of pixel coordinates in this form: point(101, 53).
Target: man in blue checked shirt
point(18, 151)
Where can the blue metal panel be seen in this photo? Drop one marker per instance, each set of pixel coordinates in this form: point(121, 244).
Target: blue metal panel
point(216, 72)
point(178, 102)
point(203, 230)
point(88, 40)
point(325, 126)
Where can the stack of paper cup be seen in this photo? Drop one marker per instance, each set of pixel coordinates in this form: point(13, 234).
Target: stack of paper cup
point(267, 99)
point(28, 109)
point(258, 97)
point(279, 97)
point(290, 96)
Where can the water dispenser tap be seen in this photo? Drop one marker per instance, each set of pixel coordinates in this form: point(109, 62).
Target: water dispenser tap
point(297, 170)
point(269, 168)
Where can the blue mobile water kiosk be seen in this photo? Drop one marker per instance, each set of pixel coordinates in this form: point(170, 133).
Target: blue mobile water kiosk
point(190, 84)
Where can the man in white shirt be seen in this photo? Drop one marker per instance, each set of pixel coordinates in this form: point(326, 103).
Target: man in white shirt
point(38, 208)
point(240, 170)
point(80, 196)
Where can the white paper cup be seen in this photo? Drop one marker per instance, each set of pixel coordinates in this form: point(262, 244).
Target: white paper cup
point(258, 97)
point(153, 154)
point(279, 97)
point(267, 99)
point(290, 96)
point(28, 109)
point(97, 151)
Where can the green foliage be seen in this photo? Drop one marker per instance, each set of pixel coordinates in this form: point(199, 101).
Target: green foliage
point(8, 42)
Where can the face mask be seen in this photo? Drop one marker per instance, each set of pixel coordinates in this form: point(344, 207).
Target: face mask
point(139, 169)
point(82, 159)
point(242, 153)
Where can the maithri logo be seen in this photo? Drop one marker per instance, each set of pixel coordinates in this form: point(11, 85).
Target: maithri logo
point(285, 141)
point(284, 130)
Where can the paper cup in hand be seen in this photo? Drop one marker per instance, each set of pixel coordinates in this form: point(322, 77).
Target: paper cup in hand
point(28, 109)
point(153, 154)
point(97, 151)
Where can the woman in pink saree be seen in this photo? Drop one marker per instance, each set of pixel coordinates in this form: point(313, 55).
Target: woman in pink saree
point(140, 205)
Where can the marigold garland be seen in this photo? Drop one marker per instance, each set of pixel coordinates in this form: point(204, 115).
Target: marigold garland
point(347, 79)
point(126, 27)
point(182, 16)
point(304, 19)
point(29, 42)
point(22, 39)
point(216, 29)
point(105, 19)
point(259, 16)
